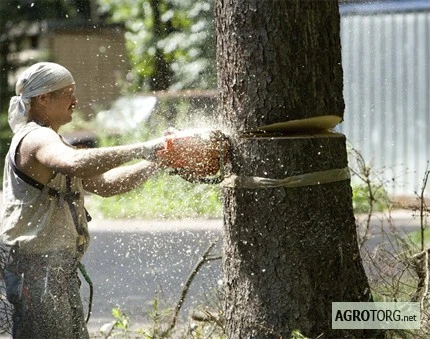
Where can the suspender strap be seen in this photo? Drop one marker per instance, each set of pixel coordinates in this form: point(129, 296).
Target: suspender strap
point(24, 177)
point(70, 196)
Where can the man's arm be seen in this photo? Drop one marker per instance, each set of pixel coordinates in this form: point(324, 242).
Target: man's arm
point(43, 151)
point(121, 179)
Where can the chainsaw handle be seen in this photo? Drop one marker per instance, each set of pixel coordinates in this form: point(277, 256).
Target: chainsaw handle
point(151, 148)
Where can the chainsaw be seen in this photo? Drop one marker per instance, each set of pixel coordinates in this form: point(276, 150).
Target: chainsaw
point(196, 155)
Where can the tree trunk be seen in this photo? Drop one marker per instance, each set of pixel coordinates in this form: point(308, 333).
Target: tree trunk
point(281, 59)
point(161, 76)
point(5, 66)
point(288, 252)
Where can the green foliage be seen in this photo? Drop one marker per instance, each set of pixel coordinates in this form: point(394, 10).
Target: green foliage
point(296, 334)
point(5, 137)
point(122, 320)
point(24, 10)
point(120, 326)
point(415, 237)
point(183, 31)
point(158, 317)
point(157, 326)
point(369, 193)
point(163, 197)
point(367, 199)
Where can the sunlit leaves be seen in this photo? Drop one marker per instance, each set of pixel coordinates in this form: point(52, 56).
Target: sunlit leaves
point(186, 38)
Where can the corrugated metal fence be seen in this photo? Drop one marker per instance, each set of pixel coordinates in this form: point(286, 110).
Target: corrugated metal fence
point(386, 61)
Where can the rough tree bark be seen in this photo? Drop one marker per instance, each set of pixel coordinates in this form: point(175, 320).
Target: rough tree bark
point(288, 252)
point(162, 74)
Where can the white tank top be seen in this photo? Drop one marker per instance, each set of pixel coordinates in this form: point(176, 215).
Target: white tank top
point(36, 220)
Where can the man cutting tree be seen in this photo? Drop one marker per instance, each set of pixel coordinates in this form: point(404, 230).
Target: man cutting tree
point(44, 222)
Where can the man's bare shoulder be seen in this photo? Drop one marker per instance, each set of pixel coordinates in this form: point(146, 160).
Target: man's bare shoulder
point(42, 153)
point(40, 137)
point(40, 144)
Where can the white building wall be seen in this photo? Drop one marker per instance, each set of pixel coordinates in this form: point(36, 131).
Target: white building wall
point(386, 61)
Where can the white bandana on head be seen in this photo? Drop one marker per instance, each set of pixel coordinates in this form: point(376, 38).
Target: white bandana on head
point(41, 78)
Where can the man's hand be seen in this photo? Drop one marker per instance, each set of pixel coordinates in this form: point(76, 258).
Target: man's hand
point(150, 148)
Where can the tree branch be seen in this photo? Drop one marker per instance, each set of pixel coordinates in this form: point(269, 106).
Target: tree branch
point(204, 259)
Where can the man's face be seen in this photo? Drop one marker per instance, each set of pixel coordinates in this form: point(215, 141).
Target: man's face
point(61, 105)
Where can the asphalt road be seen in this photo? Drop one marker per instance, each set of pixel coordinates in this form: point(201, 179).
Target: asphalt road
point(134, 262)
point(400, 222)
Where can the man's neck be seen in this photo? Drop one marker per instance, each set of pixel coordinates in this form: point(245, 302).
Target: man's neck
point(39, 122)
point(44, 123)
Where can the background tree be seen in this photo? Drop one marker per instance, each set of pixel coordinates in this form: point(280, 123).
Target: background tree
point(171, 43)
point(289, 252)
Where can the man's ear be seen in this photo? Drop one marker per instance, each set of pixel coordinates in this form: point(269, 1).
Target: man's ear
point(41, 99)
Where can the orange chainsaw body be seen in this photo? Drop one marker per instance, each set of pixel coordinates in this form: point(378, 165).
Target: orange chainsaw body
point(195, 154)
